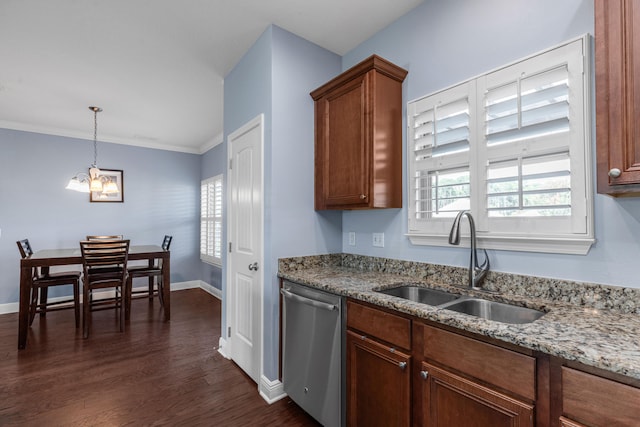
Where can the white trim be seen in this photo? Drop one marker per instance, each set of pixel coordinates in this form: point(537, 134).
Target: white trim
point(574, 234)
point(257, 121)
point(222, 345)
point(212, 290)
point(14, 307)
point(271, 391)
point(567, 245)
point(133, 141)
point(178, 286)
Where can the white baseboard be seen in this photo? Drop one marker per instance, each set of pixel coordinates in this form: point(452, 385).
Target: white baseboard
point(271, 391)
point(13, 307)
point(222, 343)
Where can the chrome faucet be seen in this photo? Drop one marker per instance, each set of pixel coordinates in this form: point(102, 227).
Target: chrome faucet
point(476, 273)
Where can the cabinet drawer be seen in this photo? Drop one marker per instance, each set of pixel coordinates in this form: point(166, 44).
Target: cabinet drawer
point(594, 400)
point(504, 368)
point(388, 327)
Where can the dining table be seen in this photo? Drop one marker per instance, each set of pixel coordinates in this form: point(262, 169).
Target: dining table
point(47, 258)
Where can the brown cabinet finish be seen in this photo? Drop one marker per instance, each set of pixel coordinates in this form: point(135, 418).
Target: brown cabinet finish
point(358, 138)
point(503, 368)
point(617, 58)
point(378, 384)
point(388, 327)
point(565, 422)
point(451, 400)
point(596, 401)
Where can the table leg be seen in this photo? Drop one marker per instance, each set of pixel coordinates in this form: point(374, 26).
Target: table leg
point(23, 312)
point(166, 288)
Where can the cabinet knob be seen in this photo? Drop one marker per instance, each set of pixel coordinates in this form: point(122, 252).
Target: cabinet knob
point(363, 196)
point(424, 374)
point(402, 365)
point(614, 173)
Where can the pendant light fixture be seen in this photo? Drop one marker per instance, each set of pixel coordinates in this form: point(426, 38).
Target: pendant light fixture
point(93, 182)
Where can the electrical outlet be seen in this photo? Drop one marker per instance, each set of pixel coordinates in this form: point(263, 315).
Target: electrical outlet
point(352, 238)
point(378, 240)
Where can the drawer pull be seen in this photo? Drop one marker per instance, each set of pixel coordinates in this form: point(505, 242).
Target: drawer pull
point(614, 173)
point(402, 365)
point(424, 374)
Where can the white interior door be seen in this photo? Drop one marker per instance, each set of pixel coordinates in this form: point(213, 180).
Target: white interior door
point(245, 259)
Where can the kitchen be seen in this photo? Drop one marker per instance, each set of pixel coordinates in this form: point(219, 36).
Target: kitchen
point(485, 35)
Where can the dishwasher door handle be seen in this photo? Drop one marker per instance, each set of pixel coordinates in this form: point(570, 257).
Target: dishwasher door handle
point(308, 301)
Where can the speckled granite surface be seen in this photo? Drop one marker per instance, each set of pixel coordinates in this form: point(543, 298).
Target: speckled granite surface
point(593, 324)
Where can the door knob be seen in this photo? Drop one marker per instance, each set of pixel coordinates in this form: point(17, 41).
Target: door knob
point(253, 267)
point(614, 173)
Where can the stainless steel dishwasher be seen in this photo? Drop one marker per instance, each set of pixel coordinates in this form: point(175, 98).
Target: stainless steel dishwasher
point(313, 361)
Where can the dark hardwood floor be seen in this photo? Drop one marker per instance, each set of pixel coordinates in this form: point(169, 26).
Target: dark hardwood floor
point(154, 373)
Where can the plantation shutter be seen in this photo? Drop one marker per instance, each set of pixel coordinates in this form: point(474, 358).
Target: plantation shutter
point(211, 220)
point(439, 134)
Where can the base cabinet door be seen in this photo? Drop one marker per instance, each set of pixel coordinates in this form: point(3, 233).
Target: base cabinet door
point(450, 400)
point(591, 400)
point(378, 384)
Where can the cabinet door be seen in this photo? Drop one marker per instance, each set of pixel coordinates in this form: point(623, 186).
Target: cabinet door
point(378, 384)
point(598, 401)
point(454, 401)
point(566, 422)
point(343, 146)
point(617, 50)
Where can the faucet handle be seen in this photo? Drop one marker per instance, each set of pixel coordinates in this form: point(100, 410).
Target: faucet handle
point(485, 265)
point(480, 271)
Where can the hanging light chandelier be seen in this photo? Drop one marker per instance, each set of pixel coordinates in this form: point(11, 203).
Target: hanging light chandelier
point(93, 182)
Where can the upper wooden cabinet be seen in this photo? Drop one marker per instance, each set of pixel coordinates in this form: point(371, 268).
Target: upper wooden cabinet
point(358, 138)
point(617, 50)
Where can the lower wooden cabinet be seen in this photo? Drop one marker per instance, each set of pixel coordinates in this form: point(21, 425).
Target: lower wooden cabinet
point(408, 372)
point(378, 383)
point(450, 400)
point(590, 400)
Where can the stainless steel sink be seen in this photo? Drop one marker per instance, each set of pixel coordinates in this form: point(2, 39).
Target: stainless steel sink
point(421, 295)
point(496, 311)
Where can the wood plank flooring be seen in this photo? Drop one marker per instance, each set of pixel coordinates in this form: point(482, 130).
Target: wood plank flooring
point(154, 373)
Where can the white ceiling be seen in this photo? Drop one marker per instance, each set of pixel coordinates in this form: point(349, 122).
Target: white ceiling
point(156, 67)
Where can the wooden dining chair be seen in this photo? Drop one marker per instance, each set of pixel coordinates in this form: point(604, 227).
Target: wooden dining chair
point(43, 280)
point(153, 272)
point(104, 265)
point(112, 237)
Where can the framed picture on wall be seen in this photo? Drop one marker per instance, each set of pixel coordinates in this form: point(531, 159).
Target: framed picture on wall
point(112, 187)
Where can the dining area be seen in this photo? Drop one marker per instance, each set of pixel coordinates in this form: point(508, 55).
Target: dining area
point(101, 271)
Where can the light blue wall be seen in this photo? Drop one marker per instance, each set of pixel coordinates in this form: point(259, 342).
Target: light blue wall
point(247, 93)
point(442, 43)
point(161, 196)
point(296, 228)
point(275, 78)
point(213, 163)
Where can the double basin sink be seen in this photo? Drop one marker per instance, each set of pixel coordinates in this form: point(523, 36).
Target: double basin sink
point(486, 309)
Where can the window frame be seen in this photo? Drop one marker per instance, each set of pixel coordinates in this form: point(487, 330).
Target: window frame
point(527, 234)
point(209, 217)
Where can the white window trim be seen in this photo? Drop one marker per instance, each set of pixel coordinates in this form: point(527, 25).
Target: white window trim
point(209, 256)
point(570, 243)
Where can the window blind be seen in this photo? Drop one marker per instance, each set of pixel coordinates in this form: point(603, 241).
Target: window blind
point(211, 220)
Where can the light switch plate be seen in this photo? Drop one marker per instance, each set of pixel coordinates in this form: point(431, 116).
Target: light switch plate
point(352, 238)
point(378, 240)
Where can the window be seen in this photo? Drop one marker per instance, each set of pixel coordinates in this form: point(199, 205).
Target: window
point(513, 147)
point(211, 220)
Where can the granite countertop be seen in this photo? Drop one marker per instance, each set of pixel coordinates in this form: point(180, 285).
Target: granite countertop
point(595, 325)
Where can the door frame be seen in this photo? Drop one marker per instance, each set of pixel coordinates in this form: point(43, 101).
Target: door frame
point(228, 344)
